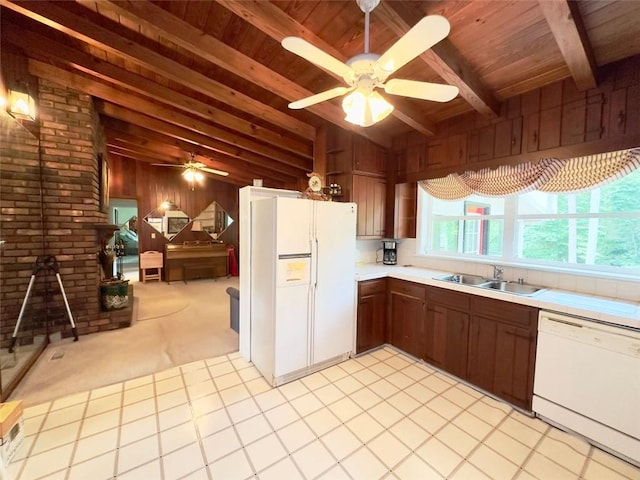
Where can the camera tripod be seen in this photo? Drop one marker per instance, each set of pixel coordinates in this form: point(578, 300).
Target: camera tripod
point(45, 264)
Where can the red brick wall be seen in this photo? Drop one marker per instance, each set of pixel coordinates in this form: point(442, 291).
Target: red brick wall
point(70, 139)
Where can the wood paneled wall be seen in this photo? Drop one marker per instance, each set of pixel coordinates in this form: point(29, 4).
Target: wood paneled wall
point(152, 185)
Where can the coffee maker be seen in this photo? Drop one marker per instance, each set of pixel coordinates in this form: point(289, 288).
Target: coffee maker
point(389, 252)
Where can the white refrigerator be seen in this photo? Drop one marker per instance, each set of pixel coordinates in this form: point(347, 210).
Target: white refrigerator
point(302, 285)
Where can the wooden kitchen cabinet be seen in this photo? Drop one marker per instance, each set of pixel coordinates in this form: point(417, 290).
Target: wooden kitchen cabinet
point(372, 314)
point(501, 352)
point(447, 330)
point(407, 316)
point(370, 194)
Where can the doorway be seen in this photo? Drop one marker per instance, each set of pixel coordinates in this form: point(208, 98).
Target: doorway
point(124, 212)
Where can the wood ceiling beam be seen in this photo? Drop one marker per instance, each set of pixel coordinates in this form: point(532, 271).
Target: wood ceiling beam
point(272, 21)
point(35, 43)
point(224, 141)
point(78, 27)
point(565, 22)
point(141, 125)
point(166, 25)
point(151, 143)
point(446, 61)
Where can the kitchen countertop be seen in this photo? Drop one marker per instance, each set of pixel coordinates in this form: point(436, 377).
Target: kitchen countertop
point(611, 311)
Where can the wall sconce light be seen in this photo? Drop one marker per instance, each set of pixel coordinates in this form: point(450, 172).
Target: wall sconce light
point(21, 105)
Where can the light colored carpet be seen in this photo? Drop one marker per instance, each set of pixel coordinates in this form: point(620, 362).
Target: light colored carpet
point(173, 325)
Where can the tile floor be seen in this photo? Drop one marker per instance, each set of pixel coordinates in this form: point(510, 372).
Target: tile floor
point(381, 415)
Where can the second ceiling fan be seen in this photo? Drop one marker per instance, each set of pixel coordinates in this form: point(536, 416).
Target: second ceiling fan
point(366, 72)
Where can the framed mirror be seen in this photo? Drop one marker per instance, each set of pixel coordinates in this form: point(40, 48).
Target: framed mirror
point(213, 220)
point(167, 219)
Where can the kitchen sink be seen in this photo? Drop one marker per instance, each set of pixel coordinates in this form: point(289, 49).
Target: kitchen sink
point(511, 287)
point(500, 285)
point(464, 279)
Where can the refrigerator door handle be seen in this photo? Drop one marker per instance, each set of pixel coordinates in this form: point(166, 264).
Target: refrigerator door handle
point(317, 256)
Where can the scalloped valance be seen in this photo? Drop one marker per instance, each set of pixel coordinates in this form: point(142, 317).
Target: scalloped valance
point(549, 175)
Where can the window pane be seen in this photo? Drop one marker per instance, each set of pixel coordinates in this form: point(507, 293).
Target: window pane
point(479, 237)
point(444, 236)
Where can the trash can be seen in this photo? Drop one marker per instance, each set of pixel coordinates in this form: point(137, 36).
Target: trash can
point(234, 299)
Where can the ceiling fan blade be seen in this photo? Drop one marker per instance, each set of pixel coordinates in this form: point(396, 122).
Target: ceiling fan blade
point(214, 171)
point(319, 97)
point(313, 54)
point(435, 92)
point(422, 36)
point(167, 165)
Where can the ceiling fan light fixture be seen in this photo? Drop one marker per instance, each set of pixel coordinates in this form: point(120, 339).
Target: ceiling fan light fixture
point(365, 108)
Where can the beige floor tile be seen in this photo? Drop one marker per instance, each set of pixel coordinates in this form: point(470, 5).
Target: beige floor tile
point(182, 462)
point(258, 386)
point(139, 410)
point(382, 369)
point(281, 415)
point(328, 394)
point(95, 445)
point(220, 369)
point(385, 414)
point(416, 372)
point(421, 393)
point(240, 363)
point(148, 470)
point(242, 410)
point(341, 442)
point(193, 366)
point(428, 419)
point(469, 472)
point(576, 443)
point(175, 416)
point(177, 437)
point(213, 422)
point(457, 440)
point(345, 409)
point(365, 398)
point(508, 447)
point(322, 421)
point(98, 468)
point(293, 390)
point(63, 416)
point(138, 394)
point(172, 399)
point(334, 373)
point(382, 354)
point(364, 464)
point(366, 376)
point(209, 362)
point(400, 380)
point(168, 373)
point(296, 435)
point(37, 410)
point(434, 383)
point(520, 432)
point(228, 380)
point(313, 459)
point(562, 453)
point(472, 425)
point(56, 437)
point(265, 452)
point(220, 444)
point(414, 468)
point(32, 425)
point(459, 397)
point(106, 391)
point(170, 384)
point(348, 384)
point(315, 381)
point(531, 422)
point(252, 429)
point(403, 402)
point(492, 464)
point(284, 469)
point(138, 453)
point(99, 423)
point(597, 471)
point(409, 433)
point(440, 457)
point(388, 449)
point(103, 404)
point(335, 473)
point(202, 406)
point(444, 407)
point(364, 427)
point(398, 362)
point(70, 400)
point(234, 394)
point(306, 404)
point(367, 360)
point(269, 399)
point(487, 413)
point(201, 389)
point(614, 463)
point(383, 389)
point(46, 463)
point(232, 467)
point(138, 429)
point(541, 467)
point(351, 366)
point(250, 373)
point(137, 382)
point(201, 474)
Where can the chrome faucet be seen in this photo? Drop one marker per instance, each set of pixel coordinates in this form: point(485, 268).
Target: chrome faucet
point(497, 272)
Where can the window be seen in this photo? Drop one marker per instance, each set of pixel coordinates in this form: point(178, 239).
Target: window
point(597, 229)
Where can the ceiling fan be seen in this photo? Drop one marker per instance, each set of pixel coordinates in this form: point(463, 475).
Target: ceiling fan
point(367, 71)
point(193, 170)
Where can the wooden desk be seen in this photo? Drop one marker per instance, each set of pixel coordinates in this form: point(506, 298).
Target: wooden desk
point(184, 262)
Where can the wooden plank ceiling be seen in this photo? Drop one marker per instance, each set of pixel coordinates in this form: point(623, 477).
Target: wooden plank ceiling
point(174, 79)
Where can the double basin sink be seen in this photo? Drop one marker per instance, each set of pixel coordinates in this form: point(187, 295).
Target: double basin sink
point(492, 284)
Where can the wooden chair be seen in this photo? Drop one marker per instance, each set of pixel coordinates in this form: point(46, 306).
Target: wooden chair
point(151, 260)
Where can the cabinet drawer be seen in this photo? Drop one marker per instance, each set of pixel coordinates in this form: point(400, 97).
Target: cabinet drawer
point(369, 287)
point(442, 296)
point(409, 289)
point(507, 312)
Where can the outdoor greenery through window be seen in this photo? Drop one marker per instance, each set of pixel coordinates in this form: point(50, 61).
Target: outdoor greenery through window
point(596, 229)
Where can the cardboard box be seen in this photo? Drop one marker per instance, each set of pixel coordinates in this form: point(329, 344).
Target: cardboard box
point(11, 429)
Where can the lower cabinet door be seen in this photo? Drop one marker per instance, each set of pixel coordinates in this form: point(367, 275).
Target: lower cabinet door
point(407, 326)
point(372, 321)
point(447, 336)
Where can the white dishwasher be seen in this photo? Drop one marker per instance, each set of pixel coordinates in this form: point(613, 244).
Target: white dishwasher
point(587, 379)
